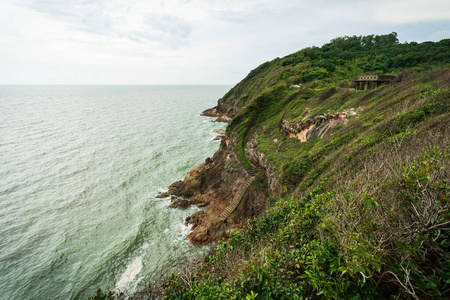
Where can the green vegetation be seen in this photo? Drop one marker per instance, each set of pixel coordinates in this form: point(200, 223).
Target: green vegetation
point(107, 295)
point(361, 213)
point(364, 214)
point(338, 62)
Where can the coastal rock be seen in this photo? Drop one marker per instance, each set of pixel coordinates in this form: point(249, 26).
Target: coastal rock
point(223, 119)
point(211, 112)
point(320, 125)
point(206, 229)
point(195, 218)
point(214, 183)
point(179, 203)
point(221, 112)
point(200, 236)
point(219, 131)
point(191, 182)
point(200, 200)
point(163, 195)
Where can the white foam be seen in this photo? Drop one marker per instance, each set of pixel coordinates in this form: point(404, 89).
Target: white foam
point(125, 283)
point(161, 190)
point(184, 230)
point(146, 245)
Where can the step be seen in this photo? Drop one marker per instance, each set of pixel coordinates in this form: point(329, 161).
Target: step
point(237, 198)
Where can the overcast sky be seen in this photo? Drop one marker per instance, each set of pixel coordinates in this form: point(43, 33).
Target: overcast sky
point(188, 41)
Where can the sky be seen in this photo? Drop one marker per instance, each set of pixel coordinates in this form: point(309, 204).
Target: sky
point(188, 41)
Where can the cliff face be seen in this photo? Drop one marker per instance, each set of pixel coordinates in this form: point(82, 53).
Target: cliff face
point(221, 112)
point(320, 125)
point(214, 183)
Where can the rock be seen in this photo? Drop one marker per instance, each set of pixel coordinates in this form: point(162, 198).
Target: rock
point(320, 125)
point(163, 195)
point(195, 219)
point(191, 182)
point(206, 229)
point(200, 236)
point(200, 199)
point(223, 119)
point(219, 131)
point(211, 112)
point(214, 183)
point(180, 203)
point(219, 112)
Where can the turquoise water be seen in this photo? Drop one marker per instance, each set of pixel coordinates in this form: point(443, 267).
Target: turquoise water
point(80, 169)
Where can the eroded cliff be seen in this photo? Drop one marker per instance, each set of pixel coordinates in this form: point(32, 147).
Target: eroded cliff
point(214, 183)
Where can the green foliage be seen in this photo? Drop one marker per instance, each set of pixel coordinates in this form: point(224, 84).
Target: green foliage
point(342, 58)
point(295, 171)
point(436, 102)
point(314, 73)
point(361, 213)
point(107, 295)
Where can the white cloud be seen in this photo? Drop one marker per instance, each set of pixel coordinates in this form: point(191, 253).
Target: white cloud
point(179, 41)
point(412, 11)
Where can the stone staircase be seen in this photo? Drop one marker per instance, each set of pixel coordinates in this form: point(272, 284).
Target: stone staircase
point(239, 195)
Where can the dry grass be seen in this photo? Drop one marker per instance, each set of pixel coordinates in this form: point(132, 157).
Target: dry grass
point(396, 209)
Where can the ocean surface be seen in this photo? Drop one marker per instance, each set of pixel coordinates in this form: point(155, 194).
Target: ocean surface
point(80, 167)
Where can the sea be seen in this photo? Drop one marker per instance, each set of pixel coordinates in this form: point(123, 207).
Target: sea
point(80, 168)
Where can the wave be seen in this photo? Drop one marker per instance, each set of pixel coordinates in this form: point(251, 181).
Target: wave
point(78, 183)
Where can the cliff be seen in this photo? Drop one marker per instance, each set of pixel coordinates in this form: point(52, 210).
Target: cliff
point(215, 182)
point(348, 190)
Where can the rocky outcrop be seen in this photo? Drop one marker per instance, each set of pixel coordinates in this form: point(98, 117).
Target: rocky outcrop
point(223, 119)
point(257, 158)
point(192, 182)
point(215, 183)
point(212, 112)
point(179, 203)
point(320, 125)
point(219, 131)
point(221, 112)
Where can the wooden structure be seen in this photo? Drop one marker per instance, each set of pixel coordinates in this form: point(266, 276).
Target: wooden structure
point(239, 195)
point(373, 81)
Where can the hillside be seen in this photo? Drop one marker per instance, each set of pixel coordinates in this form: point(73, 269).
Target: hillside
point(348, 190)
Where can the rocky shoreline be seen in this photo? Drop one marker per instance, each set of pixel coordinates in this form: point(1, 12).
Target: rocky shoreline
point(219, 112)
point(213, 184)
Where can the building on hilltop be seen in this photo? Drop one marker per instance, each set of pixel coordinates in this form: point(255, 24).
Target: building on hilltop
point(373, 81)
